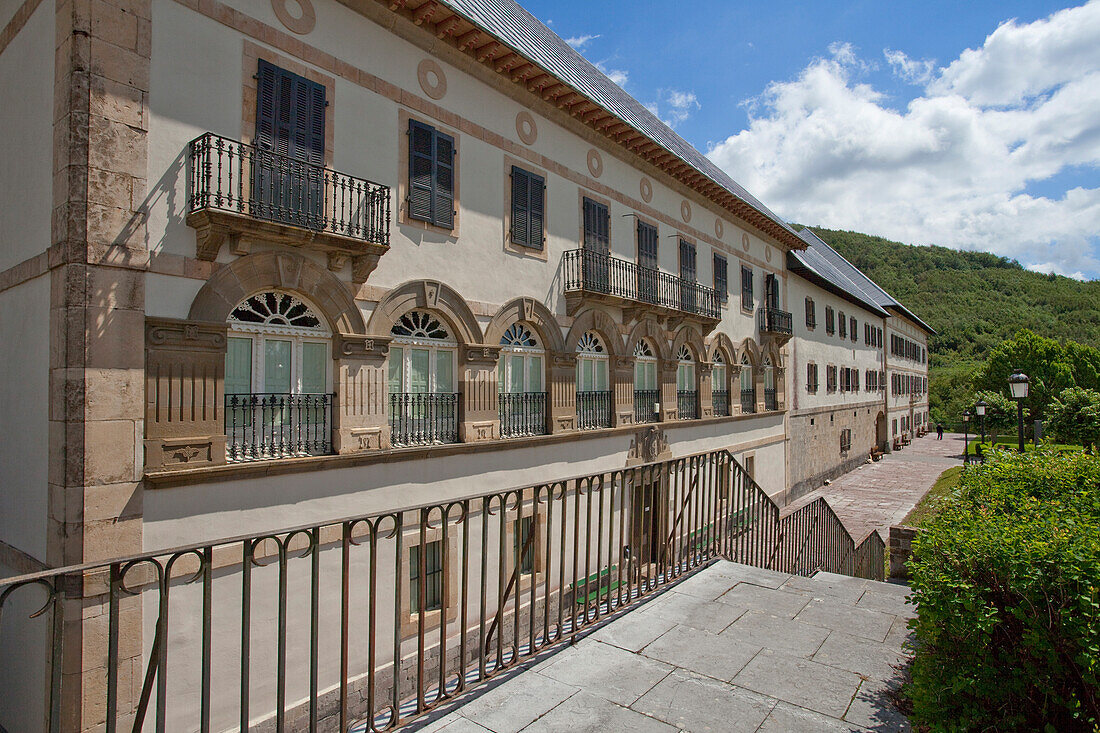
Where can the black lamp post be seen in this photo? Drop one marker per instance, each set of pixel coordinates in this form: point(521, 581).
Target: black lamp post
point(966, 437)
point(980, 409)
point(1018, 384)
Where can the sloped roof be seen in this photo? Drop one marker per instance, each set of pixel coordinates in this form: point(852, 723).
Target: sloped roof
point(825, 264)
point(517, 28)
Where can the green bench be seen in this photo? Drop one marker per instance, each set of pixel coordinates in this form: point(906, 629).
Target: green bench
point(601, 585)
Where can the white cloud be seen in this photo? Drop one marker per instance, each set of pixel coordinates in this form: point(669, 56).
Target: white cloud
point(579, 42)
point(618, 76)
point(673, 106)
point(954, 166)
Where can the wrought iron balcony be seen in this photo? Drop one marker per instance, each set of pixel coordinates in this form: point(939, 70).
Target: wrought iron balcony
point(644, 402)
point(748, 401)
point(687, 404)
point(236, 190)
point(775, 321)
point(522, 413)
point(423, 419)
point(721, 401)
point(267, 426)
point(598, 275)
point(594, 410)
point(770, 400)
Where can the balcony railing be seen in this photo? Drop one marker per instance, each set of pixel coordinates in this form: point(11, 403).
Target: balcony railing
point(282, 628)
point(237, 178)
point(594, 410)
point(748, 401)
point(644, 402)
point(423, 419)
point(721, 401)
point(773, 320)
point(687, 404)
point(594, 272)
point(269, 425)
point(770, 401)
point(522, 413)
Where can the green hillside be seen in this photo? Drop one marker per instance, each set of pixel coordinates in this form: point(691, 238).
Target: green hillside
point(974, 301)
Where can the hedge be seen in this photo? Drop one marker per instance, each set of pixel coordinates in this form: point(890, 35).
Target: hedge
point(1006, 580)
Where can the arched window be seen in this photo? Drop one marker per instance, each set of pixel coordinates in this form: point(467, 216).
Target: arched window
point(423, 399)
point(720, 396)
point(277, 379)
point(647, 397)
point(522, 401)
point(770, 401)
point(591, 364)
point(687, 397)
point(748, 386)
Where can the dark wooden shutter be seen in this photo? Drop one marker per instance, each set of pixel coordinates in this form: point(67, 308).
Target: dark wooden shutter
point(266, 92)
point(746, 288)
point(521, 192)
point(597, 227)
point(535, 221)
point(647, 262)
point(443, 201)
point(721, 283)
point(687, 261)
point(421, 143)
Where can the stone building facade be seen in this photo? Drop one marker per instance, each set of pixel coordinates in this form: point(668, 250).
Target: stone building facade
point(277, 262)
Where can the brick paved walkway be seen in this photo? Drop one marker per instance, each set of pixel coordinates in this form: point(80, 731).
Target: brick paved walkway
point(877, 495)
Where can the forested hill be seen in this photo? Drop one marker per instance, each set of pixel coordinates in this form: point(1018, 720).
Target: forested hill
point(974, 300)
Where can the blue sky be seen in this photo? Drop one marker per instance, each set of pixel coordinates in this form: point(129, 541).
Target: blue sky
point(973, 125)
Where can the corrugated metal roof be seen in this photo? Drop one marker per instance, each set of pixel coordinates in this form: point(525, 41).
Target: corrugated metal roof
point(513, 25)
point(825, 262)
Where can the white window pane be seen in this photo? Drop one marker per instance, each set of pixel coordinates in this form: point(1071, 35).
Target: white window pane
point(313, 368)
point(534, 374)
point(419, 364)
point(397, 369)
point(718, 379)
point(444, 371)
point(515, 378)
point(601, 375)
point(238, 366)
point(639, 375)
point(651, 375)
point(276, 366)
point(502, 383)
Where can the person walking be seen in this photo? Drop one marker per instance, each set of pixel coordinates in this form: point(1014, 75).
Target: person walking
point(939, 431)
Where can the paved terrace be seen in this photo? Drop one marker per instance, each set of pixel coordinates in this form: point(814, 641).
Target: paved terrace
point(732, 648)
point(877, 495)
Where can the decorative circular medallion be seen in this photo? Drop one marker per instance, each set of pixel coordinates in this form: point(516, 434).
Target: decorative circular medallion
point(525, 128)
point(302, 23)
point(646, 189)
point(431, 78)
point(719, 229)
point(685, 211)
point(768, 254)
point(745, 242)
point(595, 163)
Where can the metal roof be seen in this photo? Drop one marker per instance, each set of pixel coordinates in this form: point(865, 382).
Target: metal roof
point(826, 263)
point(516, 27)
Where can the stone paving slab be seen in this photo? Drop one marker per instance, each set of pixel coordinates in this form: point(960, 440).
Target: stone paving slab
point(779, 602)
point(650, 671)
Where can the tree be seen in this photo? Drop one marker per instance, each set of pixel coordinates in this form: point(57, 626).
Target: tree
point(1000, 414)
point(1075, 416)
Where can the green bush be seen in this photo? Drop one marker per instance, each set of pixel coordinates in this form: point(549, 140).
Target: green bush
point(1006, 579)
point(1075, 416)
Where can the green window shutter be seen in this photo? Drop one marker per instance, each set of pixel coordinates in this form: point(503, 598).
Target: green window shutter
point(443, 194)
point(238, 365)
point(597, 227)
point(266, 91)
point(421, 156)
point(537, 192)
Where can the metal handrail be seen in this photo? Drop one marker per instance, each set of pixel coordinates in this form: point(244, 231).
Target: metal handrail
point(597, 272)
point(773, 320)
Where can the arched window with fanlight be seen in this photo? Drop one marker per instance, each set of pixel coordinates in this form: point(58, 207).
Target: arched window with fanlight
point(647, 395)
point(593, 390)
point(720, 386)
point(422, 381)
point(278, 379)
point(520, 383)
point(748, 386)
point(687, 396)
point(770, 400)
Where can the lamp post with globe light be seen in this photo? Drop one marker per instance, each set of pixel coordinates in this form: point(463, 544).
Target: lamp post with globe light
point(980, 409)
point(1017, 383)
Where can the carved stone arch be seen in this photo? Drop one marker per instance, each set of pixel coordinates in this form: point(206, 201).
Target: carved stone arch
point(694, 340)
point(286, 271)
point(530, 311)
point(648, 329)
point(750, 349)
point(595, 319)
point(772, 350)
point(721, 342)
point(426, 295)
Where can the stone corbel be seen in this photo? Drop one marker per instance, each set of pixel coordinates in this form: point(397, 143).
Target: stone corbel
point(337, 260)
point(354, 346)
point(209, 238)
point(181, 335)
point(705, 367)
point(362, 266)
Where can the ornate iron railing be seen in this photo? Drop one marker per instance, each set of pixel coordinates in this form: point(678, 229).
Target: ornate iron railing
point(773, 320)
point(423, 419)
point(644, 402)
point(748, 400)
point(234, 177)
point(770, 401)
point(315, 627)
point(594, 409)
point(687, 404)
point(595, 272)
point(721, 402)
point(268, 425)
point(522, 413)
